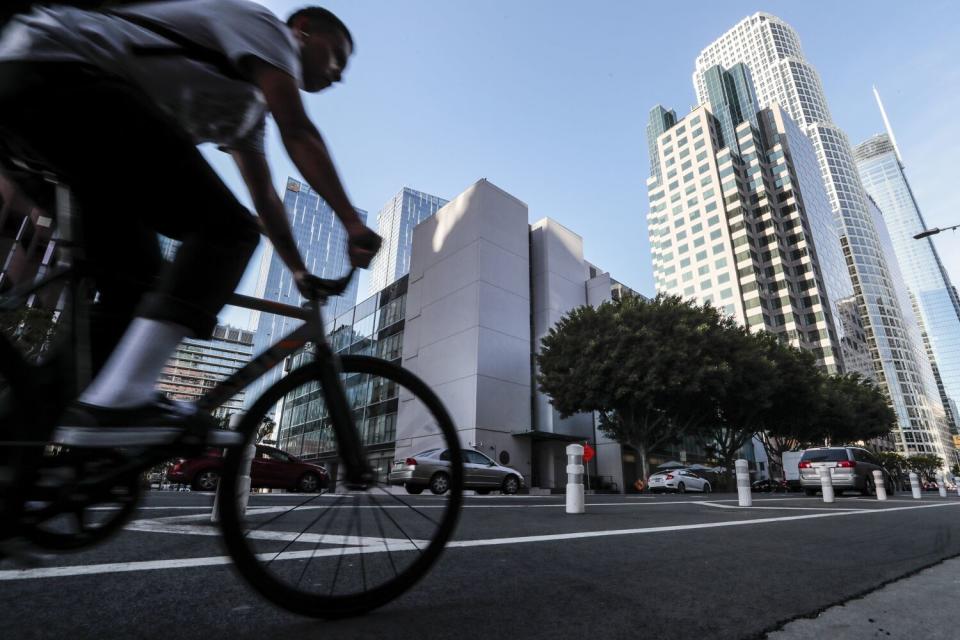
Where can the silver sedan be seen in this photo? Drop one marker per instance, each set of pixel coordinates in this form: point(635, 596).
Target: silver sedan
point(430, 469)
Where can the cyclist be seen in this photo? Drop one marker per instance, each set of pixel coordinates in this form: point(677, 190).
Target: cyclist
point(116, 103)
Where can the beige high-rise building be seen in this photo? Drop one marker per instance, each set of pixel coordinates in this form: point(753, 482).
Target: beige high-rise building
point(739, 218)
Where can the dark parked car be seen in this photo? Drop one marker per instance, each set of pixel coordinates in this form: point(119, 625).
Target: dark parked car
point(271, 469)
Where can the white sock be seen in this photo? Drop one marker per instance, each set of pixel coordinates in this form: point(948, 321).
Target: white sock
point(132, 370)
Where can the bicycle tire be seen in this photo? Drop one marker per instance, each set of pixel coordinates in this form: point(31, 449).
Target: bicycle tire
point(313, 604)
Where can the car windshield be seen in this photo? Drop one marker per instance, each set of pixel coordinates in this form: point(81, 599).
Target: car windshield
point(426, 453)
point(825, 455)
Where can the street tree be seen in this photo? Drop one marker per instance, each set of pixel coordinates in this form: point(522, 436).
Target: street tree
point(926, 465)
point(742, 392)
point(854, 409)
point(790, 422)
point(644, 365)
point(896, 465)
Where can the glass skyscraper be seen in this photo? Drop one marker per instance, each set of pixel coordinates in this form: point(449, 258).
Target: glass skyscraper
point(395, 224)
point(781, 74)
point(932, 295)
point(322, 241)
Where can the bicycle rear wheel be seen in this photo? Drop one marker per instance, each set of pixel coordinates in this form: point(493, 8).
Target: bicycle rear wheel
point(348, 550)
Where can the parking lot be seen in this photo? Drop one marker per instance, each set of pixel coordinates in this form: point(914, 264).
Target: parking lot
point(685, 566)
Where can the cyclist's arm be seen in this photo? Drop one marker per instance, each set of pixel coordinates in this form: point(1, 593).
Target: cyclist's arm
point(273, 217)
point(303, 141)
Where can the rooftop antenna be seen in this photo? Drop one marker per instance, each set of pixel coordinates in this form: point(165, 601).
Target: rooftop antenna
point(886, 123)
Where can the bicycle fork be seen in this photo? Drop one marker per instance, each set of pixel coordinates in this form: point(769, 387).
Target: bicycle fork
point(357, 473)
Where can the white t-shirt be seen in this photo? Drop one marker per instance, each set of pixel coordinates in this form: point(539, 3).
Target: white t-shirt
point(210, 106)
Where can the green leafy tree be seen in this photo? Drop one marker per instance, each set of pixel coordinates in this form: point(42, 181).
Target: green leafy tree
point(742, 391)
point(926, 465)
point(854, 409)
point(645, 366)
point(896, 465)
point(790, 422)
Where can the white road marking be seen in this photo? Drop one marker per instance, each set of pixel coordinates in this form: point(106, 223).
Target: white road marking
point(152, 526)
point(183, 563)
point(734, 506)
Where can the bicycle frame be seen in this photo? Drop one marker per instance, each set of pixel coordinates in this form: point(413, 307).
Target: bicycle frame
point(351, 449)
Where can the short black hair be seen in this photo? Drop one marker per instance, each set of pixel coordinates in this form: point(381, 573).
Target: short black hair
point(321, 18)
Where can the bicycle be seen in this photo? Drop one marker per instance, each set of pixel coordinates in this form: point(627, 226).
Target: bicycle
point(65, 499)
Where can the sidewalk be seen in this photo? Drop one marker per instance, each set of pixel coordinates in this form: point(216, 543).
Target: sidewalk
point(920, 606)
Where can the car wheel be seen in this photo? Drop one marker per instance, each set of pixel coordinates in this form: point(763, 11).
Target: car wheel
point(681, 488)
point(414, 489)
point(510, 485)
point(308, 483)
point(483, 492)
point(809, 492)
point(706, 487)
point(439, 484)
point(206, 480)
point(869, 487)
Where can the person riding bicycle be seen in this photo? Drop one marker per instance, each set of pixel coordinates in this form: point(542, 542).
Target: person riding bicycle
point(116, 102)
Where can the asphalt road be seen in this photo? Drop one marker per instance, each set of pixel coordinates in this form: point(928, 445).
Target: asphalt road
point(630, 567)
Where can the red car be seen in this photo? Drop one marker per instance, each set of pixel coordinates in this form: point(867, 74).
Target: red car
point(271, 469)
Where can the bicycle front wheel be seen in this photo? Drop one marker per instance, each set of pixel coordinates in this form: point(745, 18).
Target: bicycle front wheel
point(341, 550)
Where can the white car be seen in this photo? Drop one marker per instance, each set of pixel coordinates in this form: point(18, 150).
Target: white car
point(679, 480)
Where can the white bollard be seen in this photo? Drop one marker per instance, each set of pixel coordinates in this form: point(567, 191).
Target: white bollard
point(942, 484)
point(956, 483)
point(879, 485)
point(575, 479)
point(915, 485)
point(743, 483)
point(243, 482)
point(826, 484)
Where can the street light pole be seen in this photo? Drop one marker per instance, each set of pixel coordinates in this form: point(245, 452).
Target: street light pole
point(932, 232)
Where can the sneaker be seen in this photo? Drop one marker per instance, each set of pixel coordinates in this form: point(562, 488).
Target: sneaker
point(153, 424)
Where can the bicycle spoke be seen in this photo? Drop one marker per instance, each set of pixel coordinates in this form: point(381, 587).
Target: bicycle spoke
point(283, 513)
point(383, 536)
point(297, 537)
point(389, 517)
point(406, 504)
point(363, 566)
point(316, 545)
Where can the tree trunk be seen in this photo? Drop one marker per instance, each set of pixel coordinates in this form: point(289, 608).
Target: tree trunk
point(645, 464)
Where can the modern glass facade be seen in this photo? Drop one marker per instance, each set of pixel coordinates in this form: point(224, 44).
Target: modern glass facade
point(659, 121)
point(198, 366)
point(782, 76)
point(395, 224)
point(374, 327)
point(322, 242)
point(932, 295)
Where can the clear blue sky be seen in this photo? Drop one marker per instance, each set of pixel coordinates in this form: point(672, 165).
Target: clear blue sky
point(548, 99)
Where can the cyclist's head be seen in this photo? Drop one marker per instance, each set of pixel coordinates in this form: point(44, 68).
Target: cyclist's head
point(325, 46)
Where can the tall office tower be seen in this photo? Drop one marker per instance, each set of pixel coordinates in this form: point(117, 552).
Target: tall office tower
point(740, 219)
point(781, 75)
point(932, 296)
point(395, 224)
point(322, 242)
point(198, 365)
